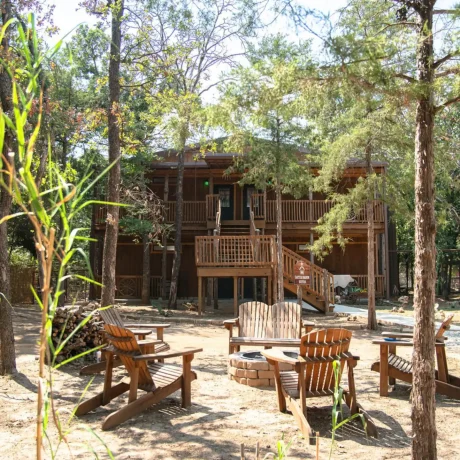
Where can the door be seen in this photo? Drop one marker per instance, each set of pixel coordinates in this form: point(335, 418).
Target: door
point(248, 190)
point(225, 193)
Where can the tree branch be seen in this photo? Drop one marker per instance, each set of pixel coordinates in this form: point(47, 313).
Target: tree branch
point(446, 104)
point(455, 11)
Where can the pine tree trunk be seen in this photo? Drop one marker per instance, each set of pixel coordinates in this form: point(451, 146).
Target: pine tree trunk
point(423, 363)
point(371, 314)
point(178, 236)
point(164, 258)
point(146, 270)
point(279, 244)
point(7, 350)
point(113, 190)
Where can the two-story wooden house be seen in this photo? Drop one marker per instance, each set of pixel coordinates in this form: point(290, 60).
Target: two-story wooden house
point(228, 237)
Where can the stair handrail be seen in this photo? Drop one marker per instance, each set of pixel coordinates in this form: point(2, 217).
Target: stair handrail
point(320, 278)
point(218, 216)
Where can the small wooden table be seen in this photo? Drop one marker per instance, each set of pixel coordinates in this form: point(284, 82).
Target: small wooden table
point(387, 347)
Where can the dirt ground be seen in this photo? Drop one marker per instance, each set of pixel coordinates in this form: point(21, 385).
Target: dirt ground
point(224, 414)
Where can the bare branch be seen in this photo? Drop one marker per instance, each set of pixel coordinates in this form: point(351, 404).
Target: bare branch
point(446, 104)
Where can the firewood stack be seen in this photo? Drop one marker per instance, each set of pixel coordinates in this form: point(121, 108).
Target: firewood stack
point(89, 336)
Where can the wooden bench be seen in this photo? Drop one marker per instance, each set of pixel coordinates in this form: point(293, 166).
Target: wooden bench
point(393, 367)
point(259, 324)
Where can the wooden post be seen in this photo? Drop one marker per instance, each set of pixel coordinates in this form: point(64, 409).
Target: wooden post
point(209, 284)
point(242, 289)
point(200, 295)
point(326, 290)
point(386, 254)
point(299, 295)
point(164, 259)
point(254, 289)
point(269, 290)
point(216, 293)
point(235, 296)
point(312, 239)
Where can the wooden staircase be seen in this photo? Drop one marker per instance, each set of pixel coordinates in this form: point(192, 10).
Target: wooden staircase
point(234, 229)
point(320, 293)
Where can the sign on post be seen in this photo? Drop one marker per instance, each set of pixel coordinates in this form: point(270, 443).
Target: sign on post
point(302, 273)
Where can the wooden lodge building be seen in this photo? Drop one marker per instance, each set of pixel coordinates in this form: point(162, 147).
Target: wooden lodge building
point(228, 242)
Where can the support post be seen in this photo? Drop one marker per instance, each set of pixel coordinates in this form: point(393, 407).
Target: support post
point(269, 290)
point(254, 289)
point(200, 295)
point(164, 259)
point(216, 293)
point(312, 239)
point(235, 296)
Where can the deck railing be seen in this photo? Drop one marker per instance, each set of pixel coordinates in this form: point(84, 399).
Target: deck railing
point(194, 212)
point(363, 280)
point(212, 205)
point(312, 210)
point(258, 205)
point(234, 251)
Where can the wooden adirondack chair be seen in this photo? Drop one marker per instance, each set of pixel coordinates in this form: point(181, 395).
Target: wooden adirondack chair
point(313, 375)
point(393, 367)
point(260, 324)
point(112, 316)
point(159, 380)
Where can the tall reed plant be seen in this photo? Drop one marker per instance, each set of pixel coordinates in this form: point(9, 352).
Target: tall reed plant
point(53, 213)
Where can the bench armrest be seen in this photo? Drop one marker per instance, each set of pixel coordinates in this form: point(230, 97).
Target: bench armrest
point(279, 356)
point(398, 335)
point(399, 343)
point(149, 326)
point(170, 354)
point(229, 323)
point(308, 325)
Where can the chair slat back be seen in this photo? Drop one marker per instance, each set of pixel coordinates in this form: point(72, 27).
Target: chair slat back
point(286, 317)
point(125, 345)
point(445, 325)
point(325, 343)
point(254, 320)
point(112, 316)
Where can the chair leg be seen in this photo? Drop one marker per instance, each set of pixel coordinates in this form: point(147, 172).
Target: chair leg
point(136, 407)
point(278, 386)
point(97, 401)
point(133, 384)
point(187, 380)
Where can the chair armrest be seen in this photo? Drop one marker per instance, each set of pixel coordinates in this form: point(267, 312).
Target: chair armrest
point(308, 325)
point(230, 323)
point(399, 343)
point(279, 356)
point(398, 335)
point(149, 326)
point(170, 354)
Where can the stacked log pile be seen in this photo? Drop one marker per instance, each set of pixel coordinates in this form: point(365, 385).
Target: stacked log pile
point(67, 319)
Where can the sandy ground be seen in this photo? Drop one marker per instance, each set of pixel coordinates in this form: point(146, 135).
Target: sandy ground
point(224, 414)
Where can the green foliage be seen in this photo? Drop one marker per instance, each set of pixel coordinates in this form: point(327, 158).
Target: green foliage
point(57, 245)
point(282, 449)
point(259, 108)
point(337, 405)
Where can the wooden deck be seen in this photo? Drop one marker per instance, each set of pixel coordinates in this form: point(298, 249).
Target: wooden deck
point(255, 257)
point(297, 213)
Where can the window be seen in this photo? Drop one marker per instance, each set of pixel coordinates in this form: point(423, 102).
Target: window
point(224, 196)
point(250, 192)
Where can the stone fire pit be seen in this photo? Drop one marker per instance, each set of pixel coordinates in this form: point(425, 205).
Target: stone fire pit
point(251, 368)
